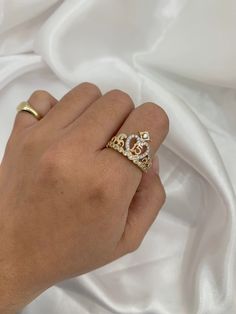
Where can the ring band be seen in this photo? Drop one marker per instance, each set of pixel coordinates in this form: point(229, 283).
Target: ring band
point(25, 106)
point(134, 147)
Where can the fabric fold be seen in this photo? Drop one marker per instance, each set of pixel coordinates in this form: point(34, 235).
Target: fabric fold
point(181, 55)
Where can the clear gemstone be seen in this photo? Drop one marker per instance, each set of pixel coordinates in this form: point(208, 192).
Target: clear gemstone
point(145, 135)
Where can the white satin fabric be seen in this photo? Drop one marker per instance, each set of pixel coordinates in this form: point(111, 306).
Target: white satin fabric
point(182, 55)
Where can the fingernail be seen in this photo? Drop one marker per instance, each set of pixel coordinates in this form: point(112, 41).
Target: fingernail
point(155, 164)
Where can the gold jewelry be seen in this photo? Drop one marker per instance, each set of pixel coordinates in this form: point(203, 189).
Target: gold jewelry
point(134, 147)
point(25, 106)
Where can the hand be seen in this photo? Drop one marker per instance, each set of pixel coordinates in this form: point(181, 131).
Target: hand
point(68, 204)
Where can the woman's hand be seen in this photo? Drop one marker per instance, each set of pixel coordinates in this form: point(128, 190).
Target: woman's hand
point(68, 204)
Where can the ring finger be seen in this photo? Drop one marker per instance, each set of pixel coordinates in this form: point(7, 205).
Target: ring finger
point(147, 117)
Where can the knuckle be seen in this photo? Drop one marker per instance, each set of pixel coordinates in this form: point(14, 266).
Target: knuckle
point(48, 162)
point(98, 191)
point(133, 245)
point(90, 88)
point(52, 165)
point(161, 198)
point(162, 194)
point(40, 94)
point(158, 114)
point(117, 95)
point(159, 191)
point(163, 119)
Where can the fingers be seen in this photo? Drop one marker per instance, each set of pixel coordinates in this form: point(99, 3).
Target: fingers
point(42, 102)
point(148, 117)
point(72, 105)
point(143, 210)
point(103, 118)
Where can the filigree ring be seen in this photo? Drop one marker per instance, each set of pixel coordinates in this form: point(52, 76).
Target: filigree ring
point(135, 147)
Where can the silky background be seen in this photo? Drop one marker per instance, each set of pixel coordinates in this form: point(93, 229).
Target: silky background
point(180, 54)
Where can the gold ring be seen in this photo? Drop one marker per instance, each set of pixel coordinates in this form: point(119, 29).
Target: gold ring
point(25, 106)
point(134, 147)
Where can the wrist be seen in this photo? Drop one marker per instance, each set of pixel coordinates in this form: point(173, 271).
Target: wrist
point(8, 300)
point(21, 273)
point(15, 291)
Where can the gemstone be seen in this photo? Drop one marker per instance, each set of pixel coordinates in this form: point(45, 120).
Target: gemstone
point(145, 135)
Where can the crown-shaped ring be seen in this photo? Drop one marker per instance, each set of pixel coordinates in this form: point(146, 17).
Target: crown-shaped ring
point(135, 147)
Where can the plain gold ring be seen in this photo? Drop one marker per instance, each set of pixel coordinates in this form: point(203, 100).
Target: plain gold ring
point(25, 106)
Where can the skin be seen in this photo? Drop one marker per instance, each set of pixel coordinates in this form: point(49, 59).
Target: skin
point(68, 204)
